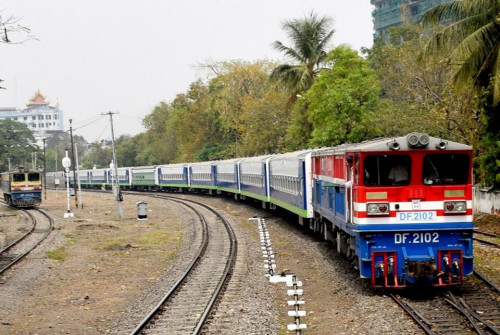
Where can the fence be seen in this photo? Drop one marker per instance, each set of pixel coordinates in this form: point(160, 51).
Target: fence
point(486, 202)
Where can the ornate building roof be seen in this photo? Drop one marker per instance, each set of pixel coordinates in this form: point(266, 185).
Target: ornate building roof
point(37, 100)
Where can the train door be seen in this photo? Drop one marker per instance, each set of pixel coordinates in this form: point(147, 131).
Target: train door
point(348, 190)
point(352, 164)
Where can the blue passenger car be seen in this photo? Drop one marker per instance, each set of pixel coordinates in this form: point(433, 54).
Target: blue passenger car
point(291, 182)
point(83, 178)
point(254, 182)
point(173, 176)
point(99, 177)
point(124, 177)
point(228, 175)
point(202, 176)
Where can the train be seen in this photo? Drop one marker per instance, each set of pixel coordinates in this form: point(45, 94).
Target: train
point(22, 188)
point(399, 208)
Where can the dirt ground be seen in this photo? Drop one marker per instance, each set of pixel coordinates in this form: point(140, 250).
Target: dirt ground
point(91, 269)
point(89, 272)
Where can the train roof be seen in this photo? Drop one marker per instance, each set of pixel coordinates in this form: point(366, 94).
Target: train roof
point(173, 165)
point(410, 141)
point(228, 161)
point(147, 167)
point(261, 158)
point(294, 154)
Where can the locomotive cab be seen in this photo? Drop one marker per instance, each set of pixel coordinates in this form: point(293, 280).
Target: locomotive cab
point(416, 224)
point(22, 188)
point(400, 209)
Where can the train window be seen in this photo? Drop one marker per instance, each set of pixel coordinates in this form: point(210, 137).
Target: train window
point(446, 168)
point(33, 176)
point(18, 177)
point(387, 170)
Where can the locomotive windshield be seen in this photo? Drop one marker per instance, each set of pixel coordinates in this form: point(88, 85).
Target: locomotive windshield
point(33, 176)
point(18, 177)
point(387, 170)
point(443, 169)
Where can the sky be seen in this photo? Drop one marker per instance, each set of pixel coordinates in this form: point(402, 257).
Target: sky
point(93, 57)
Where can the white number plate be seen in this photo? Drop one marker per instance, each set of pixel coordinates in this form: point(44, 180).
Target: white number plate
point(427, 216)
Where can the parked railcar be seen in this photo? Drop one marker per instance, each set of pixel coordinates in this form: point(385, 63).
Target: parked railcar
point(144, 178)
point(84, 178)
point(290, 183)
point(123, 177)
point(22, 188)
point(99, 178)
point(406, 218)
point(173, 177)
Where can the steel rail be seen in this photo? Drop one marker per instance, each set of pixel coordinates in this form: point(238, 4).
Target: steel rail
point(17, 258)
point(141, 326)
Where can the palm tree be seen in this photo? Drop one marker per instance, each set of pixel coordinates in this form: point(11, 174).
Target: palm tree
point(472, 40)
point(309, 37)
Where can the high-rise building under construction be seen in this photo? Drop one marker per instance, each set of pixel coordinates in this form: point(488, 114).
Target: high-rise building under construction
point(392, 13)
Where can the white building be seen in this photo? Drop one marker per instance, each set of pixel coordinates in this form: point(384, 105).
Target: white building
point(41, 118)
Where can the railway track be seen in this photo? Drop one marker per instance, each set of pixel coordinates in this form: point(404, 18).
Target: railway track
point(488, 239)
point(40, 227)
point(187, 305)
point(472, 308)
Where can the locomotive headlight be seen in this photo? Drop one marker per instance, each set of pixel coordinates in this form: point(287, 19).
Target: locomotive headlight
point(424, 139)
point(377, 208)
point(455, 207)
point(412, 139)
point(417, 140)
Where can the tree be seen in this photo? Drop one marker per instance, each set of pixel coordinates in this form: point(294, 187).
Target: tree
point(17, 146)
point(12, 32)
point(471, 41)
point(418, 96)
point(98, 156)
point(310, 38)
point(248, 109)
point(56, 145)
point(343, 102)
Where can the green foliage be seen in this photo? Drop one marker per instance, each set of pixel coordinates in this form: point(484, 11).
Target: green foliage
point(488, 150)
point(17, 144)
point(55, 149)
point(59, 254)
point(343, 100)
point(239, 113)
point(99, 157)
point(210, 151)
point(470, 42)
point(298, 132)
point(489, 161)
point(309, 37)
point(419, 96)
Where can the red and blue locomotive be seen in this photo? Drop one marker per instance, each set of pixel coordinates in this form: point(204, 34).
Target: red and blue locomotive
point(400, 208)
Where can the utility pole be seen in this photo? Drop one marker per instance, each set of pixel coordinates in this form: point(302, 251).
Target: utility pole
point(73, 160)
point(118, 195)
point(44, 172)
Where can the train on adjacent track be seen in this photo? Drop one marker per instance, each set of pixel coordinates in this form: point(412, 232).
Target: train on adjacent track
point(399, 208)
point(22, 188)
